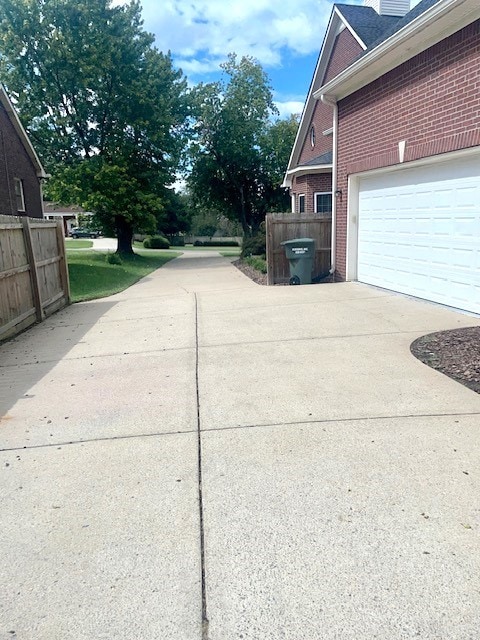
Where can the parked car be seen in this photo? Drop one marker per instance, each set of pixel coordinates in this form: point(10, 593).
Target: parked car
point(78, 232)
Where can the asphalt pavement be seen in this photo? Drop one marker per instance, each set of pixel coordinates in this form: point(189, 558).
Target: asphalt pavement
point(200, 457)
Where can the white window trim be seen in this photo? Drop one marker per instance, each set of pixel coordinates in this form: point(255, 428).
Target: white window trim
point(320, 193)
point(19, 182)
point(301, 195)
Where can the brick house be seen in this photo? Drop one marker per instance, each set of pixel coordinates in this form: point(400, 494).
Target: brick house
point(391, 128)
point(21, 172)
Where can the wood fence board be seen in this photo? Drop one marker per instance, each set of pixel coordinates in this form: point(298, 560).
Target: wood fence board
point(281, 227)
point(33, 272)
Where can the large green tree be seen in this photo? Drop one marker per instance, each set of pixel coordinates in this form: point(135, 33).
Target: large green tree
point(238, 153)
point(104, 108)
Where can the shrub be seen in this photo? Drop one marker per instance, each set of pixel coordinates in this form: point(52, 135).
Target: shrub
point(113, 258)
point(255, 246)
point(176, 241)
point(257, 263)
point(198, 243)
point(156, 242)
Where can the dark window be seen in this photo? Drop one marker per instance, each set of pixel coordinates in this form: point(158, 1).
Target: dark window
point(19, 194)
point(323, 203)
point(301, 203)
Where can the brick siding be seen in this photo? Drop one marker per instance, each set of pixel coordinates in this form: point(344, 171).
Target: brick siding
point(431, 101)
point(309, 185)
point(15, 163)
point(344, 51)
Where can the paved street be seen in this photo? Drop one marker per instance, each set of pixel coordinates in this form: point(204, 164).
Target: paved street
point(203, 458)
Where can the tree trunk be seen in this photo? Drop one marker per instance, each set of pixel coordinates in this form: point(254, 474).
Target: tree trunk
point(124, 235)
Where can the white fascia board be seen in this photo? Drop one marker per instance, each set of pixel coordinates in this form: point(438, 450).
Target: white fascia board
point(336, 23)
point(437, 23)
point(22, 134)
point(305, 170)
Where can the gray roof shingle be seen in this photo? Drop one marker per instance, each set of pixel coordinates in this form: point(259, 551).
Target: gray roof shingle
point(325, 158)
point(366, 22)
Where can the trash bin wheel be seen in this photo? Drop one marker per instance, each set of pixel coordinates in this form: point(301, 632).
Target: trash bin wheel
point(294, 280)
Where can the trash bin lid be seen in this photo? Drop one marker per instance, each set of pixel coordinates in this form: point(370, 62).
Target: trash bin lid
point(304, 241)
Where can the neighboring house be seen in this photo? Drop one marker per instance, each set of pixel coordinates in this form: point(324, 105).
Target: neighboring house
point(21, 172)
point(391, 127)
point(68, 214)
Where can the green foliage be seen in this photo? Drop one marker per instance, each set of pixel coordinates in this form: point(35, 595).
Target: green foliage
point(255, 246)
point(103, 107)
point(113, 258)
point(256, 262)
point(177, 214)
point(156, 242)
point(238, 154)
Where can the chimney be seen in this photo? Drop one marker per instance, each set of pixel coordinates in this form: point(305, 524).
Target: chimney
point(389, 7)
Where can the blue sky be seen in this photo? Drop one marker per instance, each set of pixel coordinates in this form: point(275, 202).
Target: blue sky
point(285, 37)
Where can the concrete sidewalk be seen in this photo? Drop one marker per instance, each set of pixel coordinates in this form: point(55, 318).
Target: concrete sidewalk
point(339, 476)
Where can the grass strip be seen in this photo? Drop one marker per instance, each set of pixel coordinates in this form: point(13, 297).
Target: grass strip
point(91, 276)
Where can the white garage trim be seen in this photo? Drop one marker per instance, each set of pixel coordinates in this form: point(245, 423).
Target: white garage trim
point(425, 280)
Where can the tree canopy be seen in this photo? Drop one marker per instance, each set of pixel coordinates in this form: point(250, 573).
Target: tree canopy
point(238, 152)
point(104, 108)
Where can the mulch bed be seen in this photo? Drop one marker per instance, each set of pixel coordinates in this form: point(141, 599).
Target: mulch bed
point(250, 272)
point(455, 353)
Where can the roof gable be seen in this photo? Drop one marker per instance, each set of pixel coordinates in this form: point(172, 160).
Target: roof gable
point(366, 26)
point(22, 134)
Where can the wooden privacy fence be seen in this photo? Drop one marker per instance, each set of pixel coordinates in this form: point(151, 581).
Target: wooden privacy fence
point(281, 226)
point(33, 272)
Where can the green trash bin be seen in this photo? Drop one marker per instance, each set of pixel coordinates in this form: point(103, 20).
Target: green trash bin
point(301, 254)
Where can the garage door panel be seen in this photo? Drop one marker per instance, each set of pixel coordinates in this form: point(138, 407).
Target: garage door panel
point(419, 232)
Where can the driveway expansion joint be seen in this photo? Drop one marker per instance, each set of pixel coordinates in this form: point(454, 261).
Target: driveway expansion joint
point(200, 494)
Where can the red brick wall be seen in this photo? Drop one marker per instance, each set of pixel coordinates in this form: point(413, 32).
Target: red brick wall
point(322, 119)
point(16, 163)
point(344, 51)
point(309, 185)
point(431, 101)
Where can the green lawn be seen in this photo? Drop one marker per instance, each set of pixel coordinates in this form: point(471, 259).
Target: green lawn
point(91, 276)
point(77, 244)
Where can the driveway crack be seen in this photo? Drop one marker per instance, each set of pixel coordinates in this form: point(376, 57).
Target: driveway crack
point(200, 489)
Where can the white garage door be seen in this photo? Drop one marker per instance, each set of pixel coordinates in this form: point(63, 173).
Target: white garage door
point(419, 232)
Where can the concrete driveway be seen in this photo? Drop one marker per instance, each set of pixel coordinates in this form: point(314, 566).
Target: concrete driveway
point(337, 495)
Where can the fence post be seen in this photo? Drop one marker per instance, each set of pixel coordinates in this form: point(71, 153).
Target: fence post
point(27, 237)
point(63, 266)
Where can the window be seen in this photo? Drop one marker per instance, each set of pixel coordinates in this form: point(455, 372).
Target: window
point(323, 202)
point(19, 194)
point(312, 136)
point(301, 203)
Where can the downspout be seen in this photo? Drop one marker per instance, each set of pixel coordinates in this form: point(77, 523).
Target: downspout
point(332, 102)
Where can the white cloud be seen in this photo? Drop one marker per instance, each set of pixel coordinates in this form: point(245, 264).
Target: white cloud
point(288, 107)
point(201, 32)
